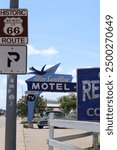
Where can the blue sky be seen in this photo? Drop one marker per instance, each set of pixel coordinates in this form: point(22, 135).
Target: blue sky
point(65, 31)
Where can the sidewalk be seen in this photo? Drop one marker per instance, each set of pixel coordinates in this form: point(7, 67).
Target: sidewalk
point(20, 145)
point(27, 139)
point(2, 136)
point(36, 139)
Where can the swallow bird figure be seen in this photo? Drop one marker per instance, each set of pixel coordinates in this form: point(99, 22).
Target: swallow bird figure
point(37, 72)
point(50, 70)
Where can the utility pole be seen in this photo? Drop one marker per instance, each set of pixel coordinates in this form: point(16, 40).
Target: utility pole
point(10, 134)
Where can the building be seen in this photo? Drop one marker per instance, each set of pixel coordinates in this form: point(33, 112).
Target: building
point(52, 104)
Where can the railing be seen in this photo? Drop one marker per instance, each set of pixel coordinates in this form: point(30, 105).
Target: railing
point(92, 128)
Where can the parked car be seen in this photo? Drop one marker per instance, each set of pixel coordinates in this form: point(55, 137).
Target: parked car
point(43, 121)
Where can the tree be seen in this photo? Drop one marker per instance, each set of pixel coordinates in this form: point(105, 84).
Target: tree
point(22, 106)
point(22, 109)
point(40, 105)
point(68, 103)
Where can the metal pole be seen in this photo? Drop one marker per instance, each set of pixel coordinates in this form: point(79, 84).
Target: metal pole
point(14, 3)
point(51, 131)
point(10, 134)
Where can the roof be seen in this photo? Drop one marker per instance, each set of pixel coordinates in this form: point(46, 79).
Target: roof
point(53, 105)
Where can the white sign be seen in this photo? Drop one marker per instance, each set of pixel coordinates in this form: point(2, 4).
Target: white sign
point(13, 59)
point(31, 92)
point(13, 26)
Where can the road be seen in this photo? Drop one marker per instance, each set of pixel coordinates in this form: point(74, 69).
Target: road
point(36, 139)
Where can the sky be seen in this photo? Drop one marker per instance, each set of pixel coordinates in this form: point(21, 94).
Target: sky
point(65, 31)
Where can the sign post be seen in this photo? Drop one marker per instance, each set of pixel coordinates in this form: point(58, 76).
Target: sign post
point(13, 61)
point(10, 133)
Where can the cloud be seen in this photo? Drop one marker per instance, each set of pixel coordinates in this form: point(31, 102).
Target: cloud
point(44, 52)
point(73, 73)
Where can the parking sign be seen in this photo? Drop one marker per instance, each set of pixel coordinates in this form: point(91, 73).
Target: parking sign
point(13, 59)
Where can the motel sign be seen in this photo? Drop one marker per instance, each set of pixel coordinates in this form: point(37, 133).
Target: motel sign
point(52, 86)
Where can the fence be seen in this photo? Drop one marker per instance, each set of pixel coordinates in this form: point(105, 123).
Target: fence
point(92, 128)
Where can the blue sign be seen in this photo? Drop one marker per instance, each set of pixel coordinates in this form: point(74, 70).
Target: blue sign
point(88, 94)
point(47, 80)
point(52, 86)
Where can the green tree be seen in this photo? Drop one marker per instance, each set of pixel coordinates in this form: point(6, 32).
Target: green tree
point(40, 105)
point(22, 108)
point(68, 103)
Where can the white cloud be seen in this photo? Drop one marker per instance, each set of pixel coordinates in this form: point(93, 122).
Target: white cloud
point(49, 52)
point(44, 52)
point(73, 73)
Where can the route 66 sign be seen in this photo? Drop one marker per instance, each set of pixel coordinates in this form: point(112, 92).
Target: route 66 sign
point(13, 26)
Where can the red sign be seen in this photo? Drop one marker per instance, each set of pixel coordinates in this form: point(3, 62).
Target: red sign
point(13, 26)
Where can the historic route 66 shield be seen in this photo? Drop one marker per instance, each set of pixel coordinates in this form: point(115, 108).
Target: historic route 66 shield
point(13, 26)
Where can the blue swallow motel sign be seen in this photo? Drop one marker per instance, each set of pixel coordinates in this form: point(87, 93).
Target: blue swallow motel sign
point(46, 81)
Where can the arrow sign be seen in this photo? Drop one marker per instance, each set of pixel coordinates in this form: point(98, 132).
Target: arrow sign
point(11, 59)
